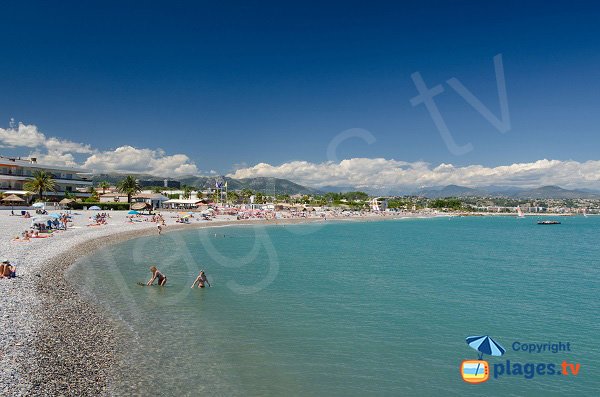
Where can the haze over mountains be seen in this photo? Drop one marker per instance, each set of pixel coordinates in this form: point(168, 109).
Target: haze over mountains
point(283, 186)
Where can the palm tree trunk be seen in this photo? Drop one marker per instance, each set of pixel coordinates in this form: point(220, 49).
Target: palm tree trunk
point(41, 194)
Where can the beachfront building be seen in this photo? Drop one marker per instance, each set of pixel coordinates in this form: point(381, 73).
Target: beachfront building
point(182, 204)
point(153, 200)
point(15, 172)
point(113, 198)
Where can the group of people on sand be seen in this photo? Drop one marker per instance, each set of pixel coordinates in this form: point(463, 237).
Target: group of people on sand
point(27, 235)
point(157, 275)
point(99, 219)
point(7, 270)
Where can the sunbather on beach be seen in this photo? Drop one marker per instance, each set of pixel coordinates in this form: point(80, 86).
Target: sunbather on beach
point(7, 270)
point(201, 280)
point(162, 279)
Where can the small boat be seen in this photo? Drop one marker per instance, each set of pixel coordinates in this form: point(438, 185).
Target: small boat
point(548, 223)
point(520, 213)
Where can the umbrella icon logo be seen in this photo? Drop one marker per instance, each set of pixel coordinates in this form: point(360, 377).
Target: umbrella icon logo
point(478, 371)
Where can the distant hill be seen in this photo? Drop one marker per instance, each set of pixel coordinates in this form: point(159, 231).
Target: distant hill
point(261, 184)
point(556, 192)
point(451, 191)
point(544, 192)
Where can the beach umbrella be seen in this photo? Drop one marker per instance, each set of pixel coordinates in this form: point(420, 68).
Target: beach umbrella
point(132, 212)
point(485, 345)
point(138, 206)
point(95, 208)
point(54, 215)
point(65, 201)
point(38, 205)
point(42, 219)
point(13, 198)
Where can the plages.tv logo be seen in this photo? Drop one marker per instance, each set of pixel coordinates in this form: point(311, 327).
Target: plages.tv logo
point(478, 371)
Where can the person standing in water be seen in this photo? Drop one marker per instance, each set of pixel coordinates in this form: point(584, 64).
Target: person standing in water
point(156, 274)
point(201, 280)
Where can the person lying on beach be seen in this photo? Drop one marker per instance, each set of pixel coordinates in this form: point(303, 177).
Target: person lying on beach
point(7, 270)
point(201, 280)
point(162, 279)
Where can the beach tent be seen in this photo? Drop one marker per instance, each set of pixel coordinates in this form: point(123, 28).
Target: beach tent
point(132, 212)
point(95, 208)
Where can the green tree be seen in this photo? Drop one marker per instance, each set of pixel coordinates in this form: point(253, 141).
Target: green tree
point(129, 186)
point(233, 197)
point(187, 192)
point(42, 182)
point(104, 185)
point(245, 194)
point(94, 193)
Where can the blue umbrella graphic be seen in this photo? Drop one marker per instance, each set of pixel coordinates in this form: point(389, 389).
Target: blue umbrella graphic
point(485, 345)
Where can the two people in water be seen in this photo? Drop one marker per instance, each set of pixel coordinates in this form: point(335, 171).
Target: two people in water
point(162, 279)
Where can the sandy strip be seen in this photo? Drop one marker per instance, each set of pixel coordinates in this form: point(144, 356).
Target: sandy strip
point(54, 342)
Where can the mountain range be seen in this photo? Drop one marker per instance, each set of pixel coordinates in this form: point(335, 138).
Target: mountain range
point(260, 184)
point(543, 192)
point(274, 186)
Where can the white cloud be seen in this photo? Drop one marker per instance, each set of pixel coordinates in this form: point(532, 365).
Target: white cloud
point(29, 136)
point(384, 174)
point(56, 151)
point(147, 161)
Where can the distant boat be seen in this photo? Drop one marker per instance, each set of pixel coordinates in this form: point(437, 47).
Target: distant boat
point(548, 223)
point(520, 213)
point(585, 213)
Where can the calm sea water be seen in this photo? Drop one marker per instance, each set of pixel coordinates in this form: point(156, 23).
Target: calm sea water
point(348, 308)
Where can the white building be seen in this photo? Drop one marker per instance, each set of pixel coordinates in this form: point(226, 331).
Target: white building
point(15, 172)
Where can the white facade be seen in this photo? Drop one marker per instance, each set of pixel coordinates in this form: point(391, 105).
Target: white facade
point(15, 172)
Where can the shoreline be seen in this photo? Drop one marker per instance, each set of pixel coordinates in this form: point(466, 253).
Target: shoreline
point(63, 344)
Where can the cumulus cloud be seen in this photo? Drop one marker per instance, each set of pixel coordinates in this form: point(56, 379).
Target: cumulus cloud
point(390, 175)
point(30, 137)
point(56, 151)
point(147, 161)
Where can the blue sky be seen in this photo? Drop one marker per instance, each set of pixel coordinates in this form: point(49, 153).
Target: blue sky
point(230, 84)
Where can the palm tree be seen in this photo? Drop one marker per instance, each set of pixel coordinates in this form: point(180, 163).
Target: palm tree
point(94, 193)
point(187, 192)
point(129, 186)
point(104, 185)
point(42, 182)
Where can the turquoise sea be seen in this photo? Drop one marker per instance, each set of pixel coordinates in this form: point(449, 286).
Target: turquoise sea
point(353, 308)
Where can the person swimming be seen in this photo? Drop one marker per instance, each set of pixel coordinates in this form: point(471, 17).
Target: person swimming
point(156, 274)
point(201, 280)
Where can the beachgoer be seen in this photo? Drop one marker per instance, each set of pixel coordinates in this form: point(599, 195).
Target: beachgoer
point(7, 270)
point(162, 279)
point(201, 280)
point(159, 227)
